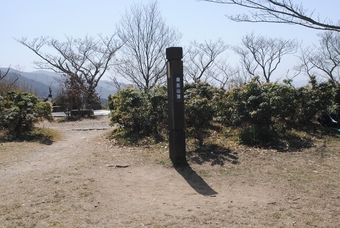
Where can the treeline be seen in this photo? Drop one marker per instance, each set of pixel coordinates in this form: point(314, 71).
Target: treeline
point(262, 113)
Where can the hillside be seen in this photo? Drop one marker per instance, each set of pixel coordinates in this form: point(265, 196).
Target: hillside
point(39, 82)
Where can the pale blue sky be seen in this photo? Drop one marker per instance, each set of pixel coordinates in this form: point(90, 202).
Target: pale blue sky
point(196, 20)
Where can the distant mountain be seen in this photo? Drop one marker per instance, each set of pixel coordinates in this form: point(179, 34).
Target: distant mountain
point(36, 84)
point(39, 82)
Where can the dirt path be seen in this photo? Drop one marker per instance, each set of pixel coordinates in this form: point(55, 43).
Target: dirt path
point(85, 181)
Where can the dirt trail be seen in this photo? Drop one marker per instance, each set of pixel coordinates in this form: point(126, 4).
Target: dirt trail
point(85, 181)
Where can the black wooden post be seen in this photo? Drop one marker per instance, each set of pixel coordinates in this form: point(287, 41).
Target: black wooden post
point(174, 56)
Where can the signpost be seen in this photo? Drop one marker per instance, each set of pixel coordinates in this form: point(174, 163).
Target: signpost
point(174, 56)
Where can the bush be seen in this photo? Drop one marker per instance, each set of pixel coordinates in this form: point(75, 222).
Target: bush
point(140, 114)
point(19, 111)
point(200, 107)
point(247, 105)
point(262, 112)
point(314, 99)
point(255, 135)
point(144, 114)
point(268, 110)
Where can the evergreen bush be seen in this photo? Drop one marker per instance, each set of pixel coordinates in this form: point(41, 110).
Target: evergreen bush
point(138, 113)
point(20, 110)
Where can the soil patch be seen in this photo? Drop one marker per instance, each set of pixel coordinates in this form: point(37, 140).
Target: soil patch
point(84, 180)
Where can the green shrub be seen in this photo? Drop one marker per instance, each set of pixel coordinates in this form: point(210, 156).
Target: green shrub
point(143, 114)
point(264, 111)
point(200, 107)
point(19, 111)
point(314, 99)
point(249, 105)
point(139, 114)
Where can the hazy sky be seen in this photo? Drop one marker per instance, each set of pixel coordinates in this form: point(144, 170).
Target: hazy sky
point(196, 20)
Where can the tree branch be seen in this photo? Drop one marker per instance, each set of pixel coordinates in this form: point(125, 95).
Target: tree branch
point(277, 11)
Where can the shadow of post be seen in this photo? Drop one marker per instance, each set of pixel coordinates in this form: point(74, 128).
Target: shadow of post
point(195, 181)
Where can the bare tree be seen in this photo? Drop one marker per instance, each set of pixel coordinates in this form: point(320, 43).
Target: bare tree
point(4, 74)
point(13, 77)
point(115, 83)
point(240, 79)
point(83, 62)
point(324, 59)
point(201, 58)
point(263, 54)
point(279, 11)
point(224, 75)
point(146, 36)
point(305, 65)
point(8, 81)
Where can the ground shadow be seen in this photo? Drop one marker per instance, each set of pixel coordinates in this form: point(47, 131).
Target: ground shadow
point(291, 143)
point(195, 181)
point(214, 154)
point(292, 140)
